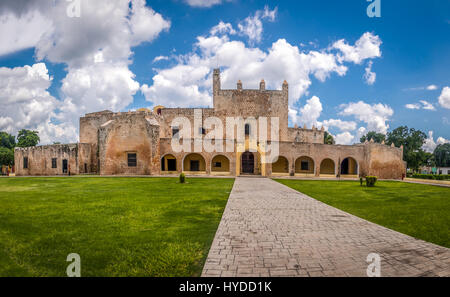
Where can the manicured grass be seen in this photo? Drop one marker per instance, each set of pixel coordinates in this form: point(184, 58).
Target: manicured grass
point(118, 226)
point(421, 211)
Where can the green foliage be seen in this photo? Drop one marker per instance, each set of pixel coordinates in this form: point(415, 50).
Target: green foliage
point(7, 140)
point(182, 178)
point(328, 138)
point(420, 211)
point(432, 176)
point(27, 138)
point(6, 156)
point(442, 155)
point(412, 141)
point(371, 181)
point(377, 137)
point(152, 227)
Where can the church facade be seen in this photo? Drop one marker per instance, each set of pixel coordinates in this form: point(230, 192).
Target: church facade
point(142, 143)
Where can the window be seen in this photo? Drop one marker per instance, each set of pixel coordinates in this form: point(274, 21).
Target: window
point(175, 132)
point(54, 163)
point(218, 164)
point(132, 160)
point(247, 129)
point(201, 131)
point(305, 165)
point(25, 163)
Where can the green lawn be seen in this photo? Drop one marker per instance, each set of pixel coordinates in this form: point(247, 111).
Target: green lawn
point(421, 211)
point(118, 226)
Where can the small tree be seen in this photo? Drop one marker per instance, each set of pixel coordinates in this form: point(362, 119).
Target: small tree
point(328, 138)
point(6, 156)
point(182, 178)
point(377, 137)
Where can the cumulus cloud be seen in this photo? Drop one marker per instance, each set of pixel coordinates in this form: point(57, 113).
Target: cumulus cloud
point(223, 28)
point(432, 87)
point(376, 116)
point(310, 112)
point(370, 76)
point(444, 98)
point(345, 138)
point(412, 106)
point(97, 48)
point(340, 124)
point(367, 47)
point(26, 103)
point(252, 26)
point(430, 145)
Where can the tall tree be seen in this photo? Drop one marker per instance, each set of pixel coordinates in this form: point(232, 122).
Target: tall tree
point(377, 137)
point(7, 140)
point(6, 156)
point(328, 138)
point(442, 155)
point(27, 138)
point(412, 141)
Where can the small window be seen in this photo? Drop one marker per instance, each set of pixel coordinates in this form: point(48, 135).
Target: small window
point(247, 129)
point(218, 164)
point(201, 131)
point(54, 163)
point(25, 163)
point(305, 165)
point(132, 160)
point(158, 111)
point(175, 132)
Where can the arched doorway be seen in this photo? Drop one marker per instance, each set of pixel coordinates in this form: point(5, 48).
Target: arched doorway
point(194, 163)
point(248, 163)
point(281, 165)
point(304, 166)
point(220, 164)
point(349, 167)
point(327, 167)
point(168, 163)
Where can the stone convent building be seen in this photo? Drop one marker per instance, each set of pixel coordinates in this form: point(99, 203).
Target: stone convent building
point(139, 143)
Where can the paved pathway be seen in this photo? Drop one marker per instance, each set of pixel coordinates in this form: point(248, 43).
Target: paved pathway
point(269, 229)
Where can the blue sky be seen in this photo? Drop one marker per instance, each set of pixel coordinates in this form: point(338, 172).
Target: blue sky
point(412, 68)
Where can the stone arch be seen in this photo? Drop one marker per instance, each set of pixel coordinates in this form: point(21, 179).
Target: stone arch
point(349, 167)
point(220, 164)
point(305, 166)
point(169, 163)
point(281, 165)
point(327, 167)
point(194, 163)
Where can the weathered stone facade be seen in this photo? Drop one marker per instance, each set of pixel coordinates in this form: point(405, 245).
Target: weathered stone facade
point(140, 143)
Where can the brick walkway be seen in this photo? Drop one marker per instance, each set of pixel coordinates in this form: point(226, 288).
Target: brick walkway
point(269, 229)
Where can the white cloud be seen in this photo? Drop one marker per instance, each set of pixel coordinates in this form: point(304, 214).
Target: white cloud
point(367, 47)
point(345, 138)
point(413, 106)
point(340, 124)
point(21, 32)
point(427, 105)
point(223, 28)
point(96, 49)
point(310, 112)
point(375, 116)
point(370, 76)
point(432, 87)
point(26, 103)
point(444, 98)
point(160, 58)
point(203, 3)
point(252, 26)
point(430, 145)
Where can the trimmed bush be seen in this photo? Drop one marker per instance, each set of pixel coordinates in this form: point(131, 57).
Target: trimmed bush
point(361, 180)
point(432, 176)
point(182, 178)
point(371, 181)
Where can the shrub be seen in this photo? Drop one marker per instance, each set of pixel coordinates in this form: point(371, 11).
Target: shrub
point(182, 178)
point(371, 181)
point(432, 176)
point(361, 180)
